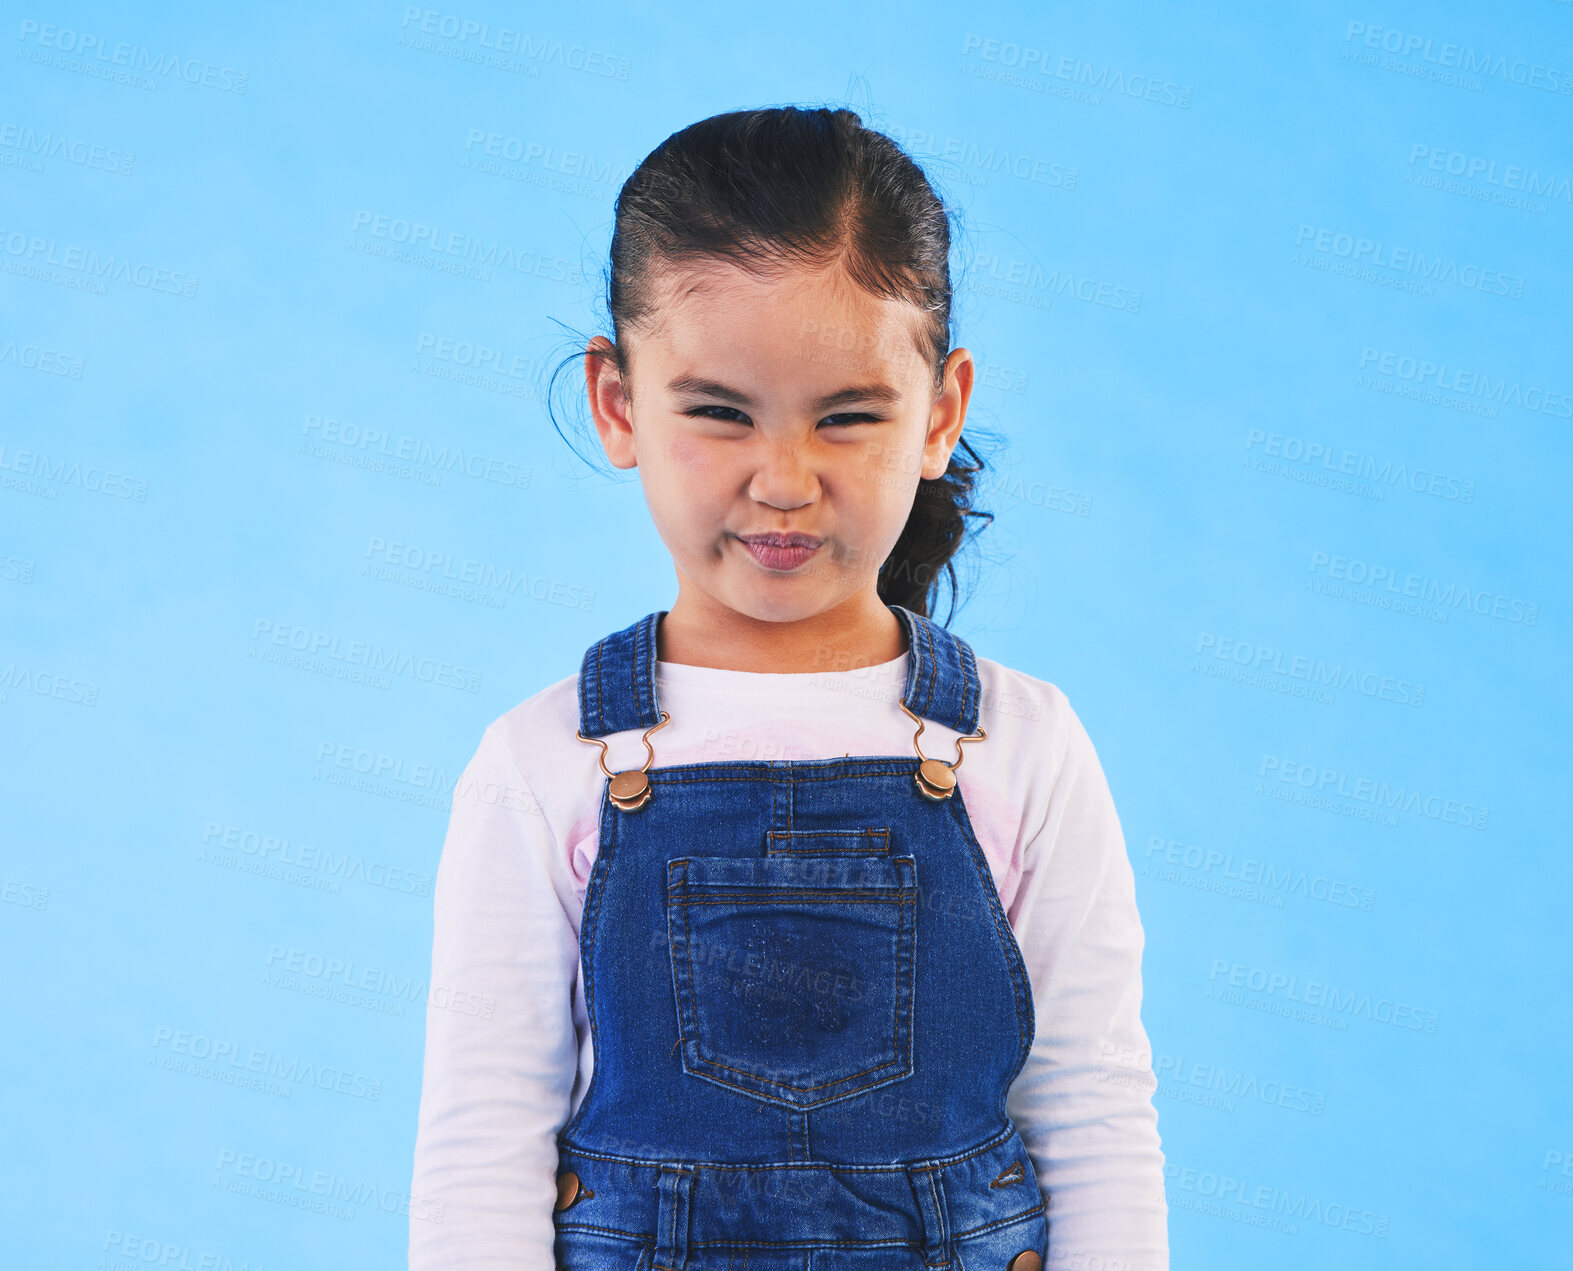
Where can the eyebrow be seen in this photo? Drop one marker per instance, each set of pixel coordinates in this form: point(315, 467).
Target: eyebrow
point(701, 387)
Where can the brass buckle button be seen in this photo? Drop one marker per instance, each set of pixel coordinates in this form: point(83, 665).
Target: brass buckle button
point(570, 1191)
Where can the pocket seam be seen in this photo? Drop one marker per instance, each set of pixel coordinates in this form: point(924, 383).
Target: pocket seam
point(876, 842)
point(903, 966)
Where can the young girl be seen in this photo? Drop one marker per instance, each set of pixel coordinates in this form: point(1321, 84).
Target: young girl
point(789, 932)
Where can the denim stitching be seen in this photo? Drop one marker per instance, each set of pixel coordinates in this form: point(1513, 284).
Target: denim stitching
point(636, 668)
point(972, 683)
point(936, 664)
point(804, 1244)
point(914, 659)
point(587, 927)
point(754, 1244)
point(595, 691)
point(811, 1243)
point(922, 666)
point(940, 1218)
point(930, 642)
point(1007, 939)
point(830, 896)
point(943, 1204)
point(902, 896)
point(877, 840)
point(672, 1209)
point(982, 1149)
point(645, 669)
point(868, 766)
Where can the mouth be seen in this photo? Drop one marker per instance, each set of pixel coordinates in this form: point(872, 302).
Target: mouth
point(781, 552)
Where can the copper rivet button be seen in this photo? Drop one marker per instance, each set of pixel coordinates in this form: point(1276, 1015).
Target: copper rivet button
point(1026, 1260)
point(567, 1190)
point(937, 773)
point(628, 786)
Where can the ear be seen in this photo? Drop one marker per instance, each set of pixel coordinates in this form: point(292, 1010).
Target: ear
point(608, 403)
point(948, 414)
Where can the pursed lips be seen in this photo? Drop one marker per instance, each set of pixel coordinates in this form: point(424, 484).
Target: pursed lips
point(781, 552)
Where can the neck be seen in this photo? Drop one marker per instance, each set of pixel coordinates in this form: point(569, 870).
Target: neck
point(700, 631)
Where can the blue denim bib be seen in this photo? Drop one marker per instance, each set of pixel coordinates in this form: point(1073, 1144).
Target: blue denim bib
point(806, 1006)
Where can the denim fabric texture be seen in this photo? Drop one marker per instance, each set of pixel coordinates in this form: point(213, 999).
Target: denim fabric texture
point(806, 1007)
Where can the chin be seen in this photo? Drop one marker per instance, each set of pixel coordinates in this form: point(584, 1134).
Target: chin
point(788, 602)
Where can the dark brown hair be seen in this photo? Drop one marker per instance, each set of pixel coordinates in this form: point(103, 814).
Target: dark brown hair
point(784, 185)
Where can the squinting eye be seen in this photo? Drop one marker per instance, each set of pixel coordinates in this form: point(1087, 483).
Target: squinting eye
point(732, 415)
point(701, 412)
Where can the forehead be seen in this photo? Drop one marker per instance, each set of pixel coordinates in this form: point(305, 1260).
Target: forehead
point(809, 326)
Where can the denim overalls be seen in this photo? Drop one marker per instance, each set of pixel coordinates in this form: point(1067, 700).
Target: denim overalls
point(805, 1002)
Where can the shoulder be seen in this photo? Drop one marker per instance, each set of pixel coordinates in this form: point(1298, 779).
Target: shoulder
point(535, 726)
point(1049, 760)
point(528, 766)
point(1014, 703)
point(1039, 733)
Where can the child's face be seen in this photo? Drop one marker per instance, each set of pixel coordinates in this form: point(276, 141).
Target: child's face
point(735, 433)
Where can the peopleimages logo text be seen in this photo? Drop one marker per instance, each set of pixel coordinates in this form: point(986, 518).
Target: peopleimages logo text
point(1375, 254)
point(1315, 993)
point(1461, 57)
point(1498, 390)
point(221, 1053)
point(313, 644)
point(344, 866)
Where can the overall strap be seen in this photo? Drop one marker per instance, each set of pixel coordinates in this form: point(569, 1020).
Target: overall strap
point(617, 680)
point(617, 677)
point(942, 674)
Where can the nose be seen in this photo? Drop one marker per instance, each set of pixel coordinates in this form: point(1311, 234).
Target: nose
point(785, 478)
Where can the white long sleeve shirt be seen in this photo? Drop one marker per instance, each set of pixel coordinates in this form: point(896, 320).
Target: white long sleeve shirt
point(508, 1045)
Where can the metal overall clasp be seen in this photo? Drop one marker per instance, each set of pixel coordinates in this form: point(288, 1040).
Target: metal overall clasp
point(935, 778)
point(629, 790)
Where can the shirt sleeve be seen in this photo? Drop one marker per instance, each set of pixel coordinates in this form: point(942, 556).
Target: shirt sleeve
point(1083, 1100)
point(501, 1049)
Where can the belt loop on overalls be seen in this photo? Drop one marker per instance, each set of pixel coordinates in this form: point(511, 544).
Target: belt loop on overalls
point(928, 1191)
point(675, 1185)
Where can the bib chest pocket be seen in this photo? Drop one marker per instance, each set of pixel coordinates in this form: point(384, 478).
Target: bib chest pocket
point(794, 973)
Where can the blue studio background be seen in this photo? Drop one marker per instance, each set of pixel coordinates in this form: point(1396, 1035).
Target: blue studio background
point(1271, 309)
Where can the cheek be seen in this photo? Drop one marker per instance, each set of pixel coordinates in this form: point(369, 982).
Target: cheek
point(685, 455)
point(697, 469)
point(888, 481)
point(689, 479)
point(874, 500)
